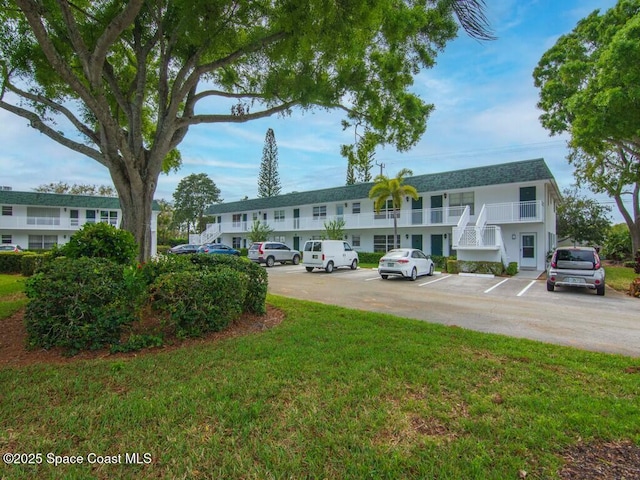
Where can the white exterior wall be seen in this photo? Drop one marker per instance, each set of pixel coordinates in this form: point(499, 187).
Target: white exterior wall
point(19, 225)
point(366, 227)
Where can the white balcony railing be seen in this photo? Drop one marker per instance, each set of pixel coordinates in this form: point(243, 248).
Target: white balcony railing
point(489, 237)
point(515, 212)
point(21, 222)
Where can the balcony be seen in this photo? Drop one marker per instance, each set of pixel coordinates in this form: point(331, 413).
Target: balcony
point(476, 238)
point(21, 222)
point(515, 212)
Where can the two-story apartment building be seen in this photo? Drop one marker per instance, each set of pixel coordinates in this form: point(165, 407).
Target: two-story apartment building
point(503, 212)
point(41, 220)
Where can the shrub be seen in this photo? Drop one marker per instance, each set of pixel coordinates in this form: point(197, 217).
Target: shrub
point(78, 304)
point(495, 268)
point(636, 268)
point(452, 266)
point(197, 302)
point(11, 262)
point(256, 293)
point(512, 268)
point(102, 240)
point(32, 262)
point(370, 257)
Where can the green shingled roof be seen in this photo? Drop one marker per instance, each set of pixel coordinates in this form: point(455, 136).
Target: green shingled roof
point(514, 172)
point(10, 197)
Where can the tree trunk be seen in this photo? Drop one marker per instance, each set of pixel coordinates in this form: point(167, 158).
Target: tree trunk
point(136, 201)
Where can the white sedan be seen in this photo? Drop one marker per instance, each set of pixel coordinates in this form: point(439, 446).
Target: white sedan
point(408, 262)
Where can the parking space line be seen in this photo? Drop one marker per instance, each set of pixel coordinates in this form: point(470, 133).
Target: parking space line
point(526, 288)
point(433, 281)
point(372, 278)
point(496, 285)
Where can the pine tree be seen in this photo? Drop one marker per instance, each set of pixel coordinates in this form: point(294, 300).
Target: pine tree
point(268, 179)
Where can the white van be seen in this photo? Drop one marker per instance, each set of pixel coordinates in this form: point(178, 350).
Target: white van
point(328, 254)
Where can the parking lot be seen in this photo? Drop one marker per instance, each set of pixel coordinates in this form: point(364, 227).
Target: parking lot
point(514, 306)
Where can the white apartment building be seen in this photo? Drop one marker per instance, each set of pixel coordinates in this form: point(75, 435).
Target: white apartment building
point(41, 220)
point(504, 212)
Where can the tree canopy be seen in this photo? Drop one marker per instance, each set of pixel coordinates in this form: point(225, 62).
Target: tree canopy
point(268, 178)
point(582, 219)
point(122, 82)
point(194, 195)
point(590, 88)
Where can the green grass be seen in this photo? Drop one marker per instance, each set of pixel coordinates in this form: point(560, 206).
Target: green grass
point(12, 297)
point(329, 393)
point(619, 278)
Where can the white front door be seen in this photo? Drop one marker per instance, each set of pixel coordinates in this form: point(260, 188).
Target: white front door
point(528, 250)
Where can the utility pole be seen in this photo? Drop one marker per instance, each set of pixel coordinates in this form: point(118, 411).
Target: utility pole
point(381, 165)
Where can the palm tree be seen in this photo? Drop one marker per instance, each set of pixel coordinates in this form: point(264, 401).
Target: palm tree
point(385, 187)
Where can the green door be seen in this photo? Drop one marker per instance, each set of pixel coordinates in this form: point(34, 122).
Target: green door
point(416, 241)
point(527, 202)
point(296, 243)
point(436, 209)
point(436, 245)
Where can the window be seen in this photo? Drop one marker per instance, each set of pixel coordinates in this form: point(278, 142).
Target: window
point(462, 199)
point(110, 217)
point(280, 238)
point(254, 216)
point(355, 240)
point(278, 216)
point(237, 220)
point(90, 216)
point(7, 210)
point(42, 242)
point(384, 243)
point(385, 212)
point(6, 239)
point(320, 212)
point(355, 207)
point(236, 242)
point(43, 216)
point(74, 217)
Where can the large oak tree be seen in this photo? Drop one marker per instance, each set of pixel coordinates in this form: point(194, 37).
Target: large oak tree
point(590, 88)
point(122, 81)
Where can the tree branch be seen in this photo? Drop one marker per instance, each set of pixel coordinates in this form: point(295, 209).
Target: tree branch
point(198, 119)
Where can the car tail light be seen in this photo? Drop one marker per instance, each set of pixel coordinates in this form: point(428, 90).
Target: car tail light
point(261, 250)
point(323, 257)
point(596, 264)
point(554, 262)
point(403, 260)
point(382, 260)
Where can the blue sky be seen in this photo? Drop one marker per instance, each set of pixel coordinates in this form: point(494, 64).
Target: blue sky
point(485, 113)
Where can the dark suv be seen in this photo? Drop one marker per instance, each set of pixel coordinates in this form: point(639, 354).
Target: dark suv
point(576, 267)
point(271, 252)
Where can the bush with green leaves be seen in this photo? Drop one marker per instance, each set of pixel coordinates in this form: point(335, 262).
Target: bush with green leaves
point(197, 302)
point(11, 262)
point(102, 240)
point(256, 276)
point(370, 257)
point(617, 244)
point(78, 304)
point(512, 268)
point(488, 268)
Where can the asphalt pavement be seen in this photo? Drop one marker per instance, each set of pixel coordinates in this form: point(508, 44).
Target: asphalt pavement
point(515, 306)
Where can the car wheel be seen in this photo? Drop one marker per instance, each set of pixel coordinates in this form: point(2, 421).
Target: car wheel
point(309, 269)
point(354, 265)
point(384, 277)
point(329, 267)
point(600, 291)
point(430, 270)
point(550, 287)
point(296, 259)
point(270, 261)
point(414, 274)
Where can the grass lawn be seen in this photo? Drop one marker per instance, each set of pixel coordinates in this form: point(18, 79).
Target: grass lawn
point(329, 393)
point(619, 278)
point(12, 297)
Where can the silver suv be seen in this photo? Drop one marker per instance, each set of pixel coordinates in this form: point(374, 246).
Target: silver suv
point(576, 267)
point(271, 252)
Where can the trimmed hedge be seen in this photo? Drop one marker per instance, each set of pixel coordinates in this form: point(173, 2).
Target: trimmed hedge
point(370, 257)
point(78, 304)
point(198, 302)
point(11, 262)
point(466, 266)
